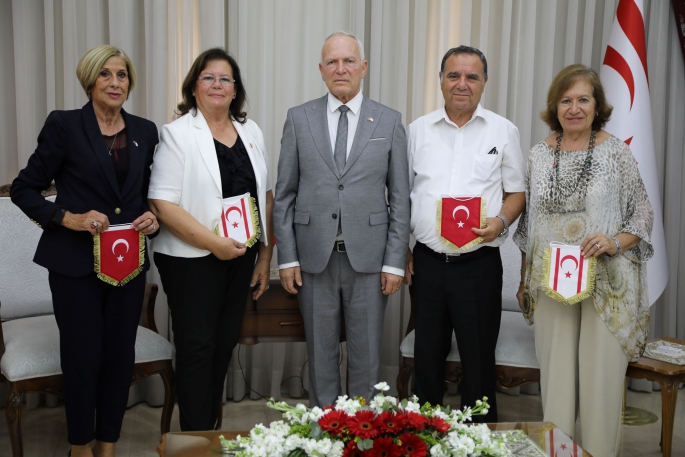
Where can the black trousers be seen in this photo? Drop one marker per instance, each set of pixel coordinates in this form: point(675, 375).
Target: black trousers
point(207, 298)
point(464, 297)
point(97, 335)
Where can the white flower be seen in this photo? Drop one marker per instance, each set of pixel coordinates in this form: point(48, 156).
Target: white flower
point(349, 406)
point(382, 386)
point(379, 402)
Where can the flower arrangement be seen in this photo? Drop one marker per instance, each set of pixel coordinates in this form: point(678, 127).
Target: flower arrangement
point(382, 427)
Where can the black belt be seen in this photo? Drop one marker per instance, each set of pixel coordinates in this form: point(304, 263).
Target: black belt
point(452, 258)
point(339, 246)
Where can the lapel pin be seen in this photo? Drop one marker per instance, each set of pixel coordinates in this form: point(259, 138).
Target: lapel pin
point(135, 143)
point(370, 119)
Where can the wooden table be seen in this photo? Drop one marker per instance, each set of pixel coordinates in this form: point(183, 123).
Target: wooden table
point(669, 377)
point(205, 444)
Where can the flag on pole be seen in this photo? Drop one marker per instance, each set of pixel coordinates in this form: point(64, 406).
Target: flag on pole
point(626, 82)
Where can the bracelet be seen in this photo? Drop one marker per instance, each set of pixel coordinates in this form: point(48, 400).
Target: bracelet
point(618, 246)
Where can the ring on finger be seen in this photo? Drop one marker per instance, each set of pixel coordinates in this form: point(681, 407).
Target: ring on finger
point(598, 246)
point(94, 225)
point(152, 226)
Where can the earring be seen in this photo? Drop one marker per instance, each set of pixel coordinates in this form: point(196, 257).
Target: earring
point(596, 114)
point(233, 95)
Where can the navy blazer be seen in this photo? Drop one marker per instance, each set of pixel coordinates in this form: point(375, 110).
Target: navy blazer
point(72, 152)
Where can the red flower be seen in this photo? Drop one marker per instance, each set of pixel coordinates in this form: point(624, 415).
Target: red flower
point(438, 424)
point(334, 422)
point(415, 421)
point(413, 445)
point(384, 447)
point(391, 423)
point(351, 450)
point(364, 424)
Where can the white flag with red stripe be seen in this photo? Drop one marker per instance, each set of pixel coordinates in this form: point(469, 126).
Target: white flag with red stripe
point(570, 276)
point(239, 219)
point(626, 82)
point(558, 444)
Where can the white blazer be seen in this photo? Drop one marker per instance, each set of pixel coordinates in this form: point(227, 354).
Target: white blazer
point(186, 172)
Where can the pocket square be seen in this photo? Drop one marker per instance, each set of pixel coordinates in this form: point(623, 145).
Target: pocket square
point(376, 139)
point(493, 151)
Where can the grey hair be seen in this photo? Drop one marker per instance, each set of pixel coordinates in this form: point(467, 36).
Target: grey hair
point(360, 45)
point(465, 50)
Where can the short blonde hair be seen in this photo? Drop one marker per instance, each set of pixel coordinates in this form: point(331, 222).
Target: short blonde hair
point(88, 68)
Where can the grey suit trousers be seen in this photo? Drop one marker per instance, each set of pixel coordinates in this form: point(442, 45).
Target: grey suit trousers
point(324, 298)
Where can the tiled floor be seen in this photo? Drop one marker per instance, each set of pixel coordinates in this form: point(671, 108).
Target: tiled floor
point(45, 429)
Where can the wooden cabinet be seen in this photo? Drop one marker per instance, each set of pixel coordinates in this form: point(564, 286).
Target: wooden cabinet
point(274, 318)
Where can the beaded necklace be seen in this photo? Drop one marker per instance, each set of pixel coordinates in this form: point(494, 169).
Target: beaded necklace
point(558, 196)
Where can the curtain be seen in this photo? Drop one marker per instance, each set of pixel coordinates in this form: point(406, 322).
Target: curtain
point(277, 45)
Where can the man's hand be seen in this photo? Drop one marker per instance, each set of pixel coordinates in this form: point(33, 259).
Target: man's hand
point(493, 227)
point(260, 275)
point(390, 283)
point(290, 277)
point(409, 270)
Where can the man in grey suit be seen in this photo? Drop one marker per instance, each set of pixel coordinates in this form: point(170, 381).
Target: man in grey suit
point(341, 242)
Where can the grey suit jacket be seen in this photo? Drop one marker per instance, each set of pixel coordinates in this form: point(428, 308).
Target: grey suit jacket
point(311, 194)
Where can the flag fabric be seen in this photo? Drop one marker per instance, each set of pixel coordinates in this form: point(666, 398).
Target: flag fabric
point(456, 216)
point(626, 82)
point(570, 277)
point(239, 219)
point(558, 444)
point(119, 254)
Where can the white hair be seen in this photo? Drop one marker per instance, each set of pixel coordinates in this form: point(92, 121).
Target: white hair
point(360, 45)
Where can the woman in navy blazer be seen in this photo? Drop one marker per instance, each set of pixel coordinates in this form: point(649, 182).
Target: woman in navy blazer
point(99, 157)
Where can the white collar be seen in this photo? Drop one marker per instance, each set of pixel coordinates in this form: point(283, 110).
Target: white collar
point(354, 105)
point(442, 115)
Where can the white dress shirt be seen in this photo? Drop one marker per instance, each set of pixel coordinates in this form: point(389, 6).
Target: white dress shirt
point(447, 160)
point(333, 114)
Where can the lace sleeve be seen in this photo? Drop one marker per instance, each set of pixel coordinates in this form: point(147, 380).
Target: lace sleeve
point(636, 210)
point(520, 237)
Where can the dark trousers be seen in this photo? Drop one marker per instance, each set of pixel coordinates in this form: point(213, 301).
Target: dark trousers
point(464, 297)
point(97, 335)
point(207, 298)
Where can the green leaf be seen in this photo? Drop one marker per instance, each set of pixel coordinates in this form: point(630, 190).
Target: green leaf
point(404, 403)
point(365, 445)
point(315, 429)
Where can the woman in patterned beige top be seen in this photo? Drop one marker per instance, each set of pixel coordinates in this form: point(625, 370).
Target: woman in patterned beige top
point(583, 188)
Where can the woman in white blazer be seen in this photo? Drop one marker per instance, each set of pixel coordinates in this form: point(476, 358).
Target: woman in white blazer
point(211, 152)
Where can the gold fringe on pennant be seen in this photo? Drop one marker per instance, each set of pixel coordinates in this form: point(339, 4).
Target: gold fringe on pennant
point(587, 293)
point(108, 279)
point(470, 244)
point(254, 214)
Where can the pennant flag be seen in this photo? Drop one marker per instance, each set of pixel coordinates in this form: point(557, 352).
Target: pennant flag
point(558, 444)
point(456, 217)
point(626, 82)
point(119, 254)
point(570, 276)
point(239, 219)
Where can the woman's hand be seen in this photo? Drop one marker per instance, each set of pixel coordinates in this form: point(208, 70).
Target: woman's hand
point(519, 296)
point(147, 223)
point(596, 244)
point(227, 248)
point(93, 222)
point(260, 275)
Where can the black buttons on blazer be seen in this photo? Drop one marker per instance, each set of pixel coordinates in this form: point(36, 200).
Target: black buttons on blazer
point(341, 187)
point(334, 216)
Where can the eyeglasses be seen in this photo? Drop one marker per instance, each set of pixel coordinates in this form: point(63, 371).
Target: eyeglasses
point(208, 80)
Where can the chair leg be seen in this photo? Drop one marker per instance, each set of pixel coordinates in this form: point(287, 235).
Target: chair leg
point(403, 380)
point(13, 416)
point(169, 379)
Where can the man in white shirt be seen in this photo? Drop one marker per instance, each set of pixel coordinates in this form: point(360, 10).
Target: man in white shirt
point(460, 151)
point(341, 242)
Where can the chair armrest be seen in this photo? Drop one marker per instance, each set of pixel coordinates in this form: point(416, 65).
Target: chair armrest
point(2, 339)
point(148, 314)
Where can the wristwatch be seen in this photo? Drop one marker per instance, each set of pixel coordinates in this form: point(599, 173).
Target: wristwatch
point(506, 226)
point(57, 217)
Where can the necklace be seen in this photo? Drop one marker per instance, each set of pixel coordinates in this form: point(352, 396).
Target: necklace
point(109, 150)
point(559, 197)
